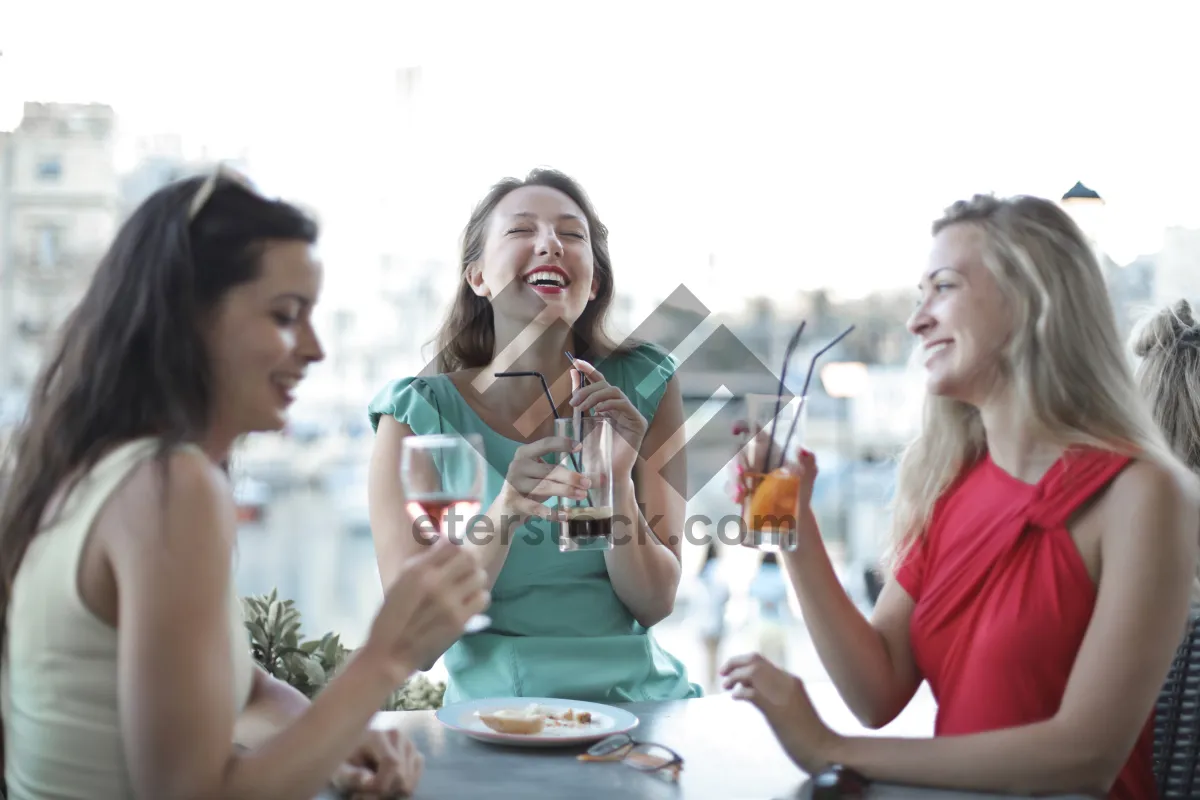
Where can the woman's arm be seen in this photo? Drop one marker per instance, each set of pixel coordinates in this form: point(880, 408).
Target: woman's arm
point(645, 565)
point(1148, 551)
point(382, 759)
point(870, 662)
point(273, 704)
point(172, 561)
point(396, 535)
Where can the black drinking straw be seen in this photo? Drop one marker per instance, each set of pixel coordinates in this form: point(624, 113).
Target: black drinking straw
point(804, 392)
point(550, 400)
point(540, 377)
point(787, 356)
point(583, 379)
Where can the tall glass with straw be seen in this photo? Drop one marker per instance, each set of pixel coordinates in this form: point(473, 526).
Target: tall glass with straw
point(769, 493)
point(770, 501)
point(588, 521)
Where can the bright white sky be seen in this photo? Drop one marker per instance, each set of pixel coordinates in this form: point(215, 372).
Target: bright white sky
point(803, 144)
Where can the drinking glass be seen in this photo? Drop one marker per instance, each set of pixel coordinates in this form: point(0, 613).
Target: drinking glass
point(770, 508)
point(443, 478)
point(589, 519)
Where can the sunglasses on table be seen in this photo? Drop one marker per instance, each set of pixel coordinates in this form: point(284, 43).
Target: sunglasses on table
point(643, 756)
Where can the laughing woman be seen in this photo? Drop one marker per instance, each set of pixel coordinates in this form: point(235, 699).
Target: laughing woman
point(537, 281)
point(1045, 538)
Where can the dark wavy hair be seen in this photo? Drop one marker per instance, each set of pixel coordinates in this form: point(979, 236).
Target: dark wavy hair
point(467, 337)
point(131, 360)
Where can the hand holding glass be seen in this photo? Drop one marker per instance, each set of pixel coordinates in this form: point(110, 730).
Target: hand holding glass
point(589, 519)
point(443, 478)
point(770, 500)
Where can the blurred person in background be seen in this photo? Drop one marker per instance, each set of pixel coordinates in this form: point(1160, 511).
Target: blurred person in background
point(537, 281)
point(740, 590)
point(1168, 373)
point(714, 601)
point(127, 669)
point(1044, 539)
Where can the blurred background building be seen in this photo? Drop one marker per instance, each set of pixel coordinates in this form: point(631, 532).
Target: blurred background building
point(59, 208)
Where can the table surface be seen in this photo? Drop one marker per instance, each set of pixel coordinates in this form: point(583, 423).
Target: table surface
point(728, 749)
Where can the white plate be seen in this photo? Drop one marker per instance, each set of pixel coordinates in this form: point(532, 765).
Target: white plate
point(606, 720)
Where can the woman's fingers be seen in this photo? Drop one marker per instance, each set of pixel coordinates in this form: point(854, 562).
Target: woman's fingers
point(544, 447)
point(539, 481)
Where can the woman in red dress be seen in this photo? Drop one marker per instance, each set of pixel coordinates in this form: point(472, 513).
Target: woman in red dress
point(1044, 539)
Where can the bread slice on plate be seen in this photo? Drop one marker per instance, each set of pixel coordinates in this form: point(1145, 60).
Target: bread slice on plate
point(523, 722)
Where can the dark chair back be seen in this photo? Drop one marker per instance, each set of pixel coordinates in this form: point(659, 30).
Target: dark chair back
point(1177, 720)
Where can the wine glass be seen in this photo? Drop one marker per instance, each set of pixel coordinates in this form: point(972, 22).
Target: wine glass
point(443, 478)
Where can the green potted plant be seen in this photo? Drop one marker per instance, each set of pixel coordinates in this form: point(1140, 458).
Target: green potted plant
point(308, 665)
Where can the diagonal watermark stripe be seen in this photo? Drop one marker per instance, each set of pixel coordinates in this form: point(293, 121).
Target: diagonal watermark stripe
point(667, 327)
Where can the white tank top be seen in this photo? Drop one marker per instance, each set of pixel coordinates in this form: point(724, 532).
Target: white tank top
point(58, 676)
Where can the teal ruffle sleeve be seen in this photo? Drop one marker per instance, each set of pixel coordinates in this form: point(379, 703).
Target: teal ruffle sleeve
point(644, 374)
point(411, 401)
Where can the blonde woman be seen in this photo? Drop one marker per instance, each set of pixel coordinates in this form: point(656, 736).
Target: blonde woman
point(1044, 538)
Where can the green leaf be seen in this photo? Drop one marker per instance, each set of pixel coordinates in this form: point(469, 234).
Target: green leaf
point(272, 624)
point(257, 634)
point(289, 636)
point(315, 674)
point(333, 654)
point(418, 694)
point(296, 673)
point(276, 641)
point(299, 652)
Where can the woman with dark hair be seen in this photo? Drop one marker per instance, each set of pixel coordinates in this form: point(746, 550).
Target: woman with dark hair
point(536, 282)
point(127, 670)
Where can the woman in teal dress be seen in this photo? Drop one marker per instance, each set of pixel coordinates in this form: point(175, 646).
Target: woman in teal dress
point(537, 281)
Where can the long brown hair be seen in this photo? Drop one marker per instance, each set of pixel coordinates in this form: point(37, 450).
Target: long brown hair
point(131, 360)
point(467, 337)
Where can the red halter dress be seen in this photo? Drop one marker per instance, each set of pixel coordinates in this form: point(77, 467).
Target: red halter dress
point(1003, 600)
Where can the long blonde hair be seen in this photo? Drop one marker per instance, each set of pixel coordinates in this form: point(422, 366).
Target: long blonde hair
point(1168, 374)
point(1064, 359)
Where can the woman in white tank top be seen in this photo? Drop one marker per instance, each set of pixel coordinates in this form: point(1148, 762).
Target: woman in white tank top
point(195, 330)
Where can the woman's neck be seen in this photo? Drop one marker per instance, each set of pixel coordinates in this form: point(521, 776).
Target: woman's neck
point(217, 444)
point(1015, 442)
point(539, 345)
point(536, 348)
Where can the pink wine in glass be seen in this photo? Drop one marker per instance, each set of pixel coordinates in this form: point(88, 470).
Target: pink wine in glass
point(437, 507)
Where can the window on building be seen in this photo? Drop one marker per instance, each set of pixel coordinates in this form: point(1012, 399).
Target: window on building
point(49, 169)
point(48, 246)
